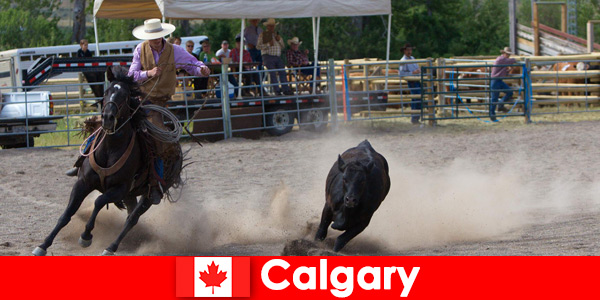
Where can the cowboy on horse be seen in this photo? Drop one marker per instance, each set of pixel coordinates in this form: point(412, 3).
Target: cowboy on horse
point(154, 66)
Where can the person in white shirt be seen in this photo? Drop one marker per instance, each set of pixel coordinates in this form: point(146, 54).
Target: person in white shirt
point(224, 51)
point(414, 86)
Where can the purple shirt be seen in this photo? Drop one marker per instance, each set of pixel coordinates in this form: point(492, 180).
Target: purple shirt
point(183, 60)
point(502, 71)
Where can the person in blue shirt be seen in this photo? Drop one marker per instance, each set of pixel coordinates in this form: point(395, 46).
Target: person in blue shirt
point(414, 86)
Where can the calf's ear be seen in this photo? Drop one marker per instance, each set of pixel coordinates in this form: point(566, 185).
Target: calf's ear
point(341, 163)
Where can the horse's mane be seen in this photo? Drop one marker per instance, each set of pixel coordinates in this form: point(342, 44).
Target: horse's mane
point(135, 97)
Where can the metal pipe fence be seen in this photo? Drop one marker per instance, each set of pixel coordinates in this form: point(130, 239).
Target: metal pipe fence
point(465, 91)
point(224, 105)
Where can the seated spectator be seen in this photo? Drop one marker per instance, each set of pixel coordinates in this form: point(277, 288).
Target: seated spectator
point(189, 47)
point(198, 49)
point(177, 41)
point(224, 51)
point(297, 58)
point(209, 58)
point(249, 79)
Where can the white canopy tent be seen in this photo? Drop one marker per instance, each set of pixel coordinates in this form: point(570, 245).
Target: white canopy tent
point(245, 9)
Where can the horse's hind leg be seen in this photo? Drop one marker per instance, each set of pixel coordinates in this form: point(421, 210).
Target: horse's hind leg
point(141, 207)
point(113, 194)
point(78, 193)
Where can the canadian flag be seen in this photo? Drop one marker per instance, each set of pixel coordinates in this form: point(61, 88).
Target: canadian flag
point(212, 277)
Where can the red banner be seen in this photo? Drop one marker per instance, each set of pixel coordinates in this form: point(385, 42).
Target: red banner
point(300, 277)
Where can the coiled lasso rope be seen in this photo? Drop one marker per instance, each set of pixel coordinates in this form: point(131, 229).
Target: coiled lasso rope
point(160, 134)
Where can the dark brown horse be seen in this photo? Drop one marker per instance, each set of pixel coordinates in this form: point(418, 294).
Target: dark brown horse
point(118, 165)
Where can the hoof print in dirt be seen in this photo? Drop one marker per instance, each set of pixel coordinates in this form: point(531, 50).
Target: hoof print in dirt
point(323, 252)
point(299, 247)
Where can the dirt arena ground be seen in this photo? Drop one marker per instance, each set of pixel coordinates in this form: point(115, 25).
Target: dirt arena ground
point(489, 190)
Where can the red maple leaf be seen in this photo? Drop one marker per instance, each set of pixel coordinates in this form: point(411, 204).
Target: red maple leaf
point(213, 277)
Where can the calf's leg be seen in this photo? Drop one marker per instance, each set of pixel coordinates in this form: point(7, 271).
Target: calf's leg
point(326, 218)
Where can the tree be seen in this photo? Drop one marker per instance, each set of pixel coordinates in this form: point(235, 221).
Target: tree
point(21, 29)
point(78, 20)
point(44, 8)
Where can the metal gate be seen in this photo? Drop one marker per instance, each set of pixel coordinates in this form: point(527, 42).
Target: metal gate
point(464, 91)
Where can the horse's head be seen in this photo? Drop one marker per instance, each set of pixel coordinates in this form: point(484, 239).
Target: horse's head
point(120, 99)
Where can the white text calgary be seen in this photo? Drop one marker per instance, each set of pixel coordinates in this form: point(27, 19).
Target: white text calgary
point(341, 289)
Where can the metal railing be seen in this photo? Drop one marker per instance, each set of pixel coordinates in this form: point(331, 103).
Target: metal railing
point(346, 91)
point(560, 87)
point(465, 91)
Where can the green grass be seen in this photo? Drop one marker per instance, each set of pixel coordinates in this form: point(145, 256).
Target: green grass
point(72, 137)
point(568, 114)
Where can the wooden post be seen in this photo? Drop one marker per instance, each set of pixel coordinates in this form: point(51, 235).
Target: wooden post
point(536, 30)
point(590, 37)
point(512, 21)
point(81, 92)
point(563, 17)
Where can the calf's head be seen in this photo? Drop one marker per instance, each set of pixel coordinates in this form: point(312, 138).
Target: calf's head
point(354, 178)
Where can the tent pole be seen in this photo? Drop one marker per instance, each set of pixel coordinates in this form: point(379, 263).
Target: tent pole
point(96, 37)
point(241, 58)
point(387, 52)
point(316, 46)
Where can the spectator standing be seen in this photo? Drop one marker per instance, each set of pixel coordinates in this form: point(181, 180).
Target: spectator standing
point(270, 44)
point(251, 34)
point(413, 69)
point(91, 77)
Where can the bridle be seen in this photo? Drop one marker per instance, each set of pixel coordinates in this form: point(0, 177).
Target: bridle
point(119, 110)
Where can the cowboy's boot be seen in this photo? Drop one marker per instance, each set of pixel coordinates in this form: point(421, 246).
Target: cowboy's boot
point(156, 191)
point(75, 170)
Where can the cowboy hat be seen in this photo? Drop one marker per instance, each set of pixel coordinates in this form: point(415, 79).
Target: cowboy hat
point(407, 45)
point(152, 29)
point(506, 50)
point(294, 40)
point(270, 21)
point(239, 38)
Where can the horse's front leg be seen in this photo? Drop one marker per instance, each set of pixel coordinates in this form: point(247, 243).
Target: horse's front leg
point(78, 193)
point(141, 207)
point(113, 194)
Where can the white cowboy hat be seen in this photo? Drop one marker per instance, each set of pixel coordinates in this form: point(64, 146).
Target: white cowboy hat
point(270, 21)
point(506, 50)
point(294, 40)
point(152, 29)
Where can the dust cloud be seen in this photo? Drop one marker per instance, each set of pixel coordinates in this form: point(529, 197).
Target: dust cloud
point(460, 200)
